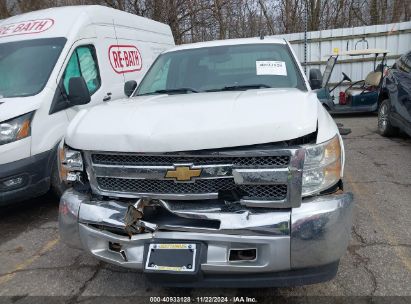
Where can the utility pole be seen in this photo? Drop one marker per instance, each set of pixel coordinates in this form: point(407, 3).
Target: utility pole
point(305, 35)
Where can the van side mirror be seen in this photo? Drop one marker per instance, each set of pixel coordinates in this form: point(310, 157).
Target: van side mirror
point(129, 87)
point(315, 79)
point(78, 93)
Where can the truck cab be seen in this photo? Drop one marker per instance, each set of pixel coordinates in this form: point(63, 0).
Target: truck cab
point(222, 170)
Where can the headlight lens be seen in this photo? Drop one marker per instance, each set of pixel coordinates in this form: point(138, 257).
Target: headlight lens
point(70, 163)
point(322, 166)
point(15, 129)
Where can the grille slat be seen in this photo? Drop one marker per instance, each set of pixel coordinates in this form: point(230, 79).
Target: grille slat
point(265, 192)
point(165, 160)
point(260, 192)
point(165, 186)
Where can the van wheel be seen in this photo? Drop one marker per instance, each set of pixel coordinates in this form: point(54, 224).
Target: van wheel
point(57, 186)
point(385, 128)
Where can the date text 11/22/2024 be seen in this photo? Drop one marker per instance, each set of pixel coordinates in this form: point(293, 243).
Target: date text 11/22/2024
point(237, 299)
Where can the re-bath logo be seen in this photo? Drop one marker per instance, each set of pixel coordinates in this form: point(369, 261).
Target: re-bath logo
point(26, 27)
point(125, 58)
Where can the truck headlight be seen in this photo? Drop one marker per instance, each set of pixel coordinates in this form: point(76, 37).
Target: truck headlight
point(322, 166)
point(15, 129)
point(70, 163)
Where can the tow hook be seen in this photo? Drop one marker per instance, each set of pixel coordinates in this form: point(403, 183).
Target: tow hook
point(132, 219)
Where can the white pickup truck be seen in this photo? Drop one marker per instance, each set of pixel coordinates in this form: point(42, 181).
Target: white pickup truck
point(223, 169)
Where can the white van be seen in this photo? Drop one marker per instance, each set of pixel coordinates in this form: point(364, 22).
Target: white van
point(45, 56)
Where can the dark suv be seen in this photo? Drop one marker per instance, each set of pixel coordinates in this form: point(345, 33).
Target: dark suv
point(394, 112)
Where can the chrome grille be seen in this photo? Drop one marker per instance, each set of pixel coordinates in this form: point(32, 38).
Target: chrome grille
point(169, 160)
point(204, 186)
point(260, 178)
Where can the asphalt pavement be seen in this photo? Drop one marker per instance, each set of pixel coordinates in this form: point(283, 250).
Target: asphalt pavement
point(33, 262)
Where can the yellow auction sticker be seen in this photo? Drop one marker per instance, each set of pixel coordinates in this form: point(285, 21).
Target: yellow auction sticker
point(173, 246)
point(169, 268)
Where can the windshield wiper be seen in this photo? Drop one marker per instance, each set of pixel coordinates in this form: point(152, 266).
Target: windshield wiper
point(241, 87)
point(171, 91)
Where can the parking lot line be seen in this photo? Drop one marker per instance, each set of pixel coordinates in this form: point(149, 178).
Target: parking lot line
point(399, 251)
point(47, 247)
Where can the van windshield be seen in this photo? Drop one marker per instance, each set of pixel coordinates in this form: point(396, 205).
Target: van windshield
point(222, 68)
point(25, 66)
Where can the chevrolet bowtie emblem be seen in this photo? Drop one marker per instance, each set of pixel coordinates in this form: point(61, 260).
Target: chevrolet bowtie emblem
point(183, 173)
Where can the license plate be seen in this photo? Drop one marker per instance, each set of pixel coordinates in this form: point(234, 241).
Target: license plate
point(171, 257)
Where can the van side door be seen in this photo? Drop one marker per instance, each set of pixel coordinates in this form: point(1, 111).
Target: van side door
point(106, 45)
point(82, 62)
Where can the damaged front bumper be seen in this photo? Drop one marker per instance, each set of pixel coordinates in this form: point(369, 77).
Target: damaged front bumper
point(293, 246)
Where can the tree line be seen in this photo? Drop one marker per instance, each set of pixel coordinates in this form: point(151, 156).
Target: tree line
point(202, 20)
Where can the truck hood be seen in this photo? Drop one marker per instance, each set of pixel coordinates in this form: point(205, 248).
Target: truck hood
point(168, 123)
point(13, 107)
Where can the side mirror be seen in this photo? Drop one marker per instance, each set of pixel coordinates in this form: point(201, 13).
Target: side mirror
point(315, 79)
point(78, 93)
point(129, 87)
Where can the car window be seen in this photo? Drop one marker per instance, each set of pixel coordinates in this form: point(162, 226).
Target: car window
point(160, 79)
point(22, 76)
point(404, 62)
point(328, 70)
point(83, 62)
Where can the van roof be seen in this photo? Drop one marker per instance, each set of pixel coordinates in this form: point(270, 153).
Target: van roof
point(255, 40)
point(60, 21)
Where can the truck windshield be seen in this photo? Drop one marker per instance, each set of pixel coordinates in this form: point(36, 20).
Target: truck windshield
point(25, 66)
point(222, 68)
